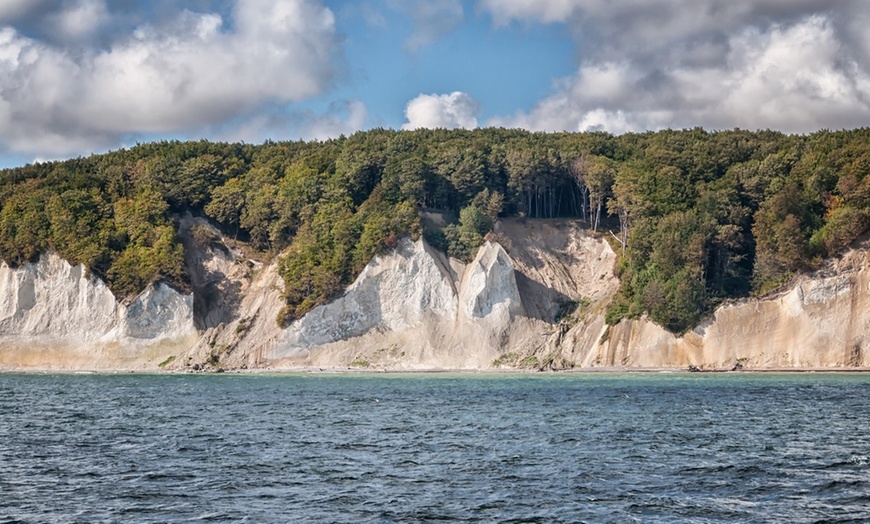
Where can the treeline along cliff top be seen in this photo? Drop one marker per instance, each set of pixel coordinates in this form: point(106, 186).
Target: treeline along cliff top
point(697, 217)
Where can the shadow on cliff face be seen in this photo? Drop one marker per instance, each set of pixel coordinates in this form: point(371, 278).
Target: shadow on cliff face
point(216, 302)
point(217, 294)
point(540, 301)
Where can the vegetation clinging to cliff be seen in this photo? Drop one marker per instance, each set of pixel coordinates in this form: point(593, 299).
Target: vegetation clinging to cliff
point(700, 216)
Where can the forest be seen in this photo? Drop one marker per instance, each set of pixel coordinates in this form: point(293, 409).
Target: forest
point(697, 217)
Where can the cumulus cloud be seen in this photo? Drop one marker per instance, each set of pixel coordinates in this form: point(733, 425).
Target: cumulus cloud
point(195, 71)
point(793, 65)
point(343, 118)
point(442, 111)
point(66, 22)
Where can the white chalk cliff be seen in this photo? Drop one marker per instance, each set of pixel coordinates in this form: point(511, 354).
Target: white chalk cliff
point(821, 321)
point(415, 309)
point(412, 309)
point(392, 293)
point(54, 315)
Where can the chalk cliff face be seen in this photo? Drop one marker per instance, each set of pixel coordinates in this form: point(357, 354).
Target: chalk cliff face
point(822, 320)
point(412, 309)
point(488, 289)
point(533, 297)
point(54, 314)
point(393, 293)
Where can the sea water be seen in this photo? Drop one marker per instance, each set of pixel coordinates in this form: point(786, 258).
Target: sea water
point(421, 448)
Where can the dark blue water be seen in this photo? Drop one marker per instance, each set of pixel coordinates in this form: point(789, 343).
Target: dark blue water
point(380, 448)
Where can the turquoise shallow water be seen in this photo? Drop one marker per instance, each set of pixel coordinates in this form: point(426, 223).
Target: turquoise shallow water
point(422, 448)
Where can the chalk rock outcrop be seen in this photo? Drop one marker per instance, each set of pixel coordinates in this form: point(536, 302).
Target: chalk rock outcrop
point(53, 299)
point(557, 263)
point(52, 311)
point(489, 287)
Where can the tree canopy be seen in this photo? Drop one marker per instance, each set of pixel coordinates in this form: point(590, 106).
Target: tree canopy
point(698, 216)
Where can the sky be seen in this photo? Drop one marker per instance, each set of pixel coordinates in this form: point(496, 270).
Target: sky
point(86, 76)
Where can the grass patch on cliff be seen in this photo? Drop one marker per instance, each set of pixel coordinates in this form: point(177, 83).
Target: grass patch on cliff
point(505, 360)
point(551, 361)
point(243, 326)
point(169, 360)
point(360, 362)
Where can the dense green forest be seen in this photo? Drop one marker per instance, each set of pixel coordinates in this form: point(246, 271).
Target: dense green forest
point(698, 217)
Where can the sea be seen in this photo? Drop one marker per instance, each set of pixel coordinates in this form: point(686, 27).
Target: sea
point(384, 448)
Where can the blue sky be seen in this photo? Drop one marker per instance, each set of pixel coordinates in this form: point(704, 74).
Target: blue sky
point(504, 68)
point(86, 76)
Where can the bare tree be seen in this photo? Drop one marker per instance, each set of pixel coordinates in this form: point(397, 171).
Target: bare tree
point(599, 179)
point(578, 167)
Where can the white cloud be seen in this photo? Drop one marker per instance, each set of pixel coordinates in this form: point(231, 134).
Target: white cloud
point(442, 111)
point(193, 73)
point(794, 65)
point(80, 19)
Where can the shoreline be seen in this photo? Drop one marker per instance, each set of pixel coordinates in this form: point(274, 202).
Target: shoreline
point(432, 371)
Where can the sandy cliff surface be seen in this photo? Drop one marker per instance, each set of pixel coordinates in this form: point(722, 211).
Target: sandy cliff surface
point(534, 297)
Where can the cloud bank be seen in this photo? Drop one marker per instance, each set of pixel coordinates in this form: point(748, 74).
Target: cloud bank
point(197, 69)
point(791, 65)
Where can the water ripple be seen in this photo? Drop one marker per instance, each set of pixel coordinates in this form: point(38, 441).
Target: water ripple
point(381, 448)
